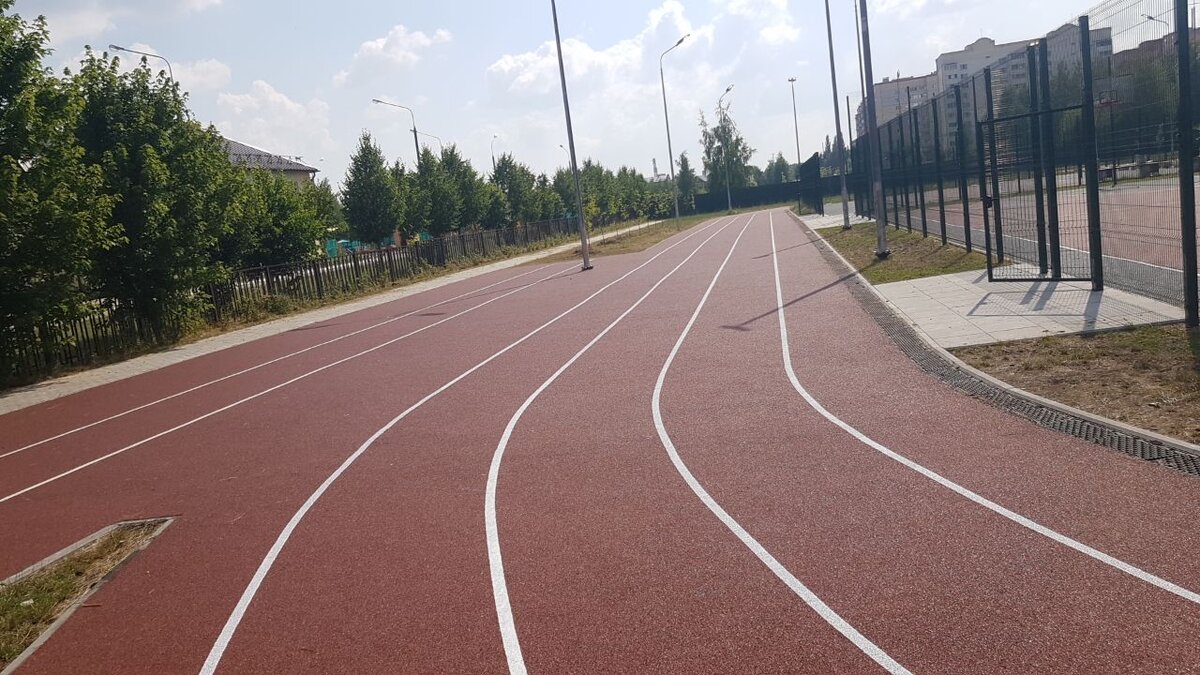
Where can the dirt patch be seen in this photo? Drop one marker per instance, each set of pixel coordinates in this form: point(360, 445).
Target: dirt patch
point(31, 603)
point(1148, 377)
point(913, 256)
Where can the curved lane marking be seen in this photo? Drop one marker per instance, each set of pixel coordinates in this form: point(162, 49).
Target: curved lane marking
point(992, 506)
point(239, 611)
point(803, 592)
point(504, 614)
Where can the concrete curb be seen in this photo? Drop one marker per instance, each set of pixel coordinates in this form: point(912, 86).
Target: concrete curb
point(49, 390)
point(1137, 432)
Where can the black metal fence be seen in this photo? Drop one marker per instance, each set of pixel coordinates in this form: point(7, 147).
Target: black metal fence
point(110, 331)
point(1063, 159)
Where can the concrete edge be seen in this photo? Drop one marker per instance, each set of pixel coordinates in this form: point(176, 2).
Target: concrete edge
point(1149, 436)
point(29, 651)
point(66, 385)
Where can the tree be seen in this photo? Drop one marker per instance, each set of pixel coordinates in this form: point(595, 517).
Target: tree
point(548, 204)
point(53, 215)
point(276, 222)
point(466, 183)
point(495, 214)
point(777, 171)
point(445, 206)
point(412, 203)
point(172, 185)
point(724, 147)
point(369, 196)
point(686, 180)
point(516, 180)
point(327, 206)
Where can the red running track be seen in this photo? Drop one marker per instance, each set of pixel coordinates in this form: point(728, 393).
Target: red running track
point(547, 512)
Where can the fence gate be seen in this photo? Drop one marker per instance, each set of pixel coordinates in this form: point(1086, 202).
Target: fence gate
point(1033, 197)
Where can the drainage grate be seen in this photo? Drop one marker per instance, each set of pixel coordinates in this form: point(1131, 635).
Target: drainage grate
point(935, 364)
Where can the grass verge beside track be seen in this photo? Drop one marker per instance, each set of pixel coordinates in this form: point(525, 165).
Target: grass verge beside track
point(1147, 376)
point(913, 256)
point(31, 604)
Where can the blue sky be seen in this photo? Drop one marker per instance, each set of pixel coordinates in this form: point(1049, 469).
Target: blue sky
point(297, 78)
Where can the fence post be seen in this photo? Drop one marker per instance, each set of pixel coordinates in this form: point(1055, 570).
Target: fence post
point(1035, 142)
point(964, 192)
point(937, 166)
point(1050, 161)
point(893, 171)
point(905, 179)
point(1187, 164)
point(997, 222)
point(1090, 159)
point(915, 119)
point(316, 269)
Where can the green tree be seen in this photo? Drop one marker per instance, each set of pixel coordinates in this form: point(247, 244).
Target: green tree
point(445, 205)
point(725, 150)
point(172, 184)
point(467, 185)
point(328, 208)
point(412, 204)
point(686, 180)
point(548, 204)
point(53, 216)
point(495, 214)
point(369, 196)
point(777, 171)
point(276, 222)
point(517, 181)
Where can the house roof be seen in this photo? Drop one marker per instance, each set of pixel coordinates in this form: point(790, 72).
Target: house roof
point(253, 158)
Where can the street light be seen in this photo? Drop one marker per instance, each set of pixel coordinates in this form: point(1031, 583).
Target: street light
point(441, 147)
point(881, 247)
point(118, 48)
point(725, 150)
point(564, 149)
point(796, 121)
point(416, 141)
point(666, 116)
point(562, 74)
point(494, 137)
point(837, 118)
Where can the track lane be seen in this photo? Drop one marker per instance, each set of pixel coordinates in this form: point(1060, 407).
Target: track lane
point(939, 583)
point(35, 425)
point(50, 414)
point(235, 499)
point(426, 479)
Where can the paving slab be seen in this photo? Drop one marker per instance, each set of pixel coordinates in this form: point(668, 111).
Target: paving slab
point(960, 310)
point(834, 217)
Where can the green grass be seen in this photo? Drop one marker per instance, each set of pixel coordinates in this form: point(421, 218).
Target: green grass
point(913, 256)
point(30, 605)
point(1147, 376)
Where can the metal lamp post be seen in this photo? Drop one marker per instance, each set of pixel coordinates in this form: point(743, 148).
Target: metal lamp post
point(796, 121)
point(881, 247)
point(416, 141)
point(837, 117)
point(562, 74)
point(170, 71)
point(441, 146)
point(666, 116)
point(725, 150)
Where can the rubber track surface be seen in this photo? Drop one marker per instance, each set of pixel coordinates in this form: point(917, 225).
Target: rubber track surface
point(611, 561)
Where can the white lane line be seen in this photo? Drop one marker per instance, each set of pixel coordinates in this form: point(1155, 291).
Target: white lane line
point(239, 611)
point(811, 599)
point(946, 482)
point(265, 363)
point(264, 392)
point(508, 627)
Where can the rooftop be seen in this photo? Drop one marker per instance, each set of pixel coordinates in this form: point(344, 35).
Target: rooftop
point(254, 158)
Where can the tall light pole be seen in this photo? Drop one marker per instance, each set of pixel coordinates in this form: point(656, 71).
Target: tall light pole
point(666, 116)
point(796, 120)
point(881, 247)
point(566, 151)
point(837, 120)
point(724, 149)
point(441, 146)
point(170, 71)
point(494, 137)
point(562, 74)
point(416, 141)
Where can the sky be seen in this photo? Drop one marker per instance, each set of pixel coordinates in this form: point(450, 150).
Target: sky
point(297, 78)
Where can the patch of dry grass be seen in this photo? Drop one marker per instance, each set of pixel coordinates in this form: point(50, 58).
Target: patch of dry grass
point(913, 256)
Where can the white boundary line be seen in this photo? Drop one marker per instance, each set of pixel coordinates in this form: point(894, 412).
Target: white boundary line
point(777, 568)
point(504, 614)
point(264, 364)
point(239, 611)
point(264, 392)
point(1017, 518)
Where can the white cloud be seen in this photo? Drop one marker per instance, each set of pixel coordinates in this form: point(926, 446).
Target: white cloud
point(780, 28)
point(207, 74)
point(72, 21)
point(400, 48)
point(83, 23)
point(267, 118)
